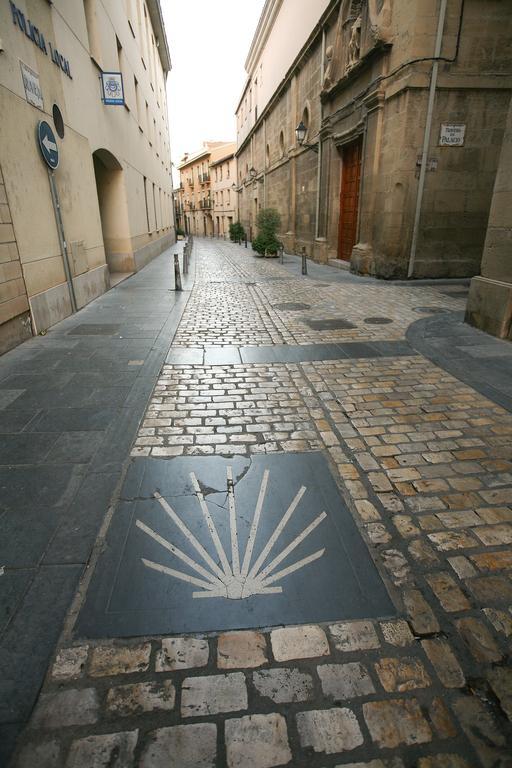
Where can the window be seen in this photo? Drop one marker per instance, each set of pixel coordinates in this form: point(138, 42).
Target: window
point(91, 22)
point(281, 144)
point(146, 202)
point(148, 123)
point(140, 115)
point(154, 206)
point(267, 154)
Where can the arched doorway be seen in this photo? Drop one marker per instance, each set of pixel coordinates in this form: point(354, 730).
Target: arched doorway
point(113, 207)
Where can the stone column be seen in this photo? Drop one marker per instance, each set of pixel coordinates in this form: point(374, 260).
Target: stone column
point(490, 297)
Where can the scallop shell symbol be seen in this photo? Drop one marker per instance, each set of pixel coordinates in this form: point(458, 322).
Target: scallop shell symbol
point(235, 577)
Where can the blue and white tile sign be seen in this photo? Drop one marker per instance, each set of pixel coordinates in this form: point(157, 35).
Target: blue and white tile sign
point(112, 91)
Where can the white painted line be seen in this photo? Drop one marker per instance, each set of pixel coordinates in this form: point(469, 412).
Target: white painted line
point(289, 512)
point(211, 527)
point(176, 574)
point(190, 536)
point(295, 543)
point(235, 557)
point(255, 523)
point(175, 551)
point(295, 566)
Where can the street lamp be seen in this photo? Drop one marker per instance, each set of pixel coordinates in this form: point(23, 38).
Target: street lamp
point(253, 172)
point(300, 133)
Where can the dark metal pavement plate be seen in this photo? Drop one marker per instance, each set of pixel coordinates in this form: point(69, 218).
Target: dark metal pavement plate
point(328, 324)
point(430, 310)
point(94, 329)
point(291, 306)
point(195, 561)
point(378, 320)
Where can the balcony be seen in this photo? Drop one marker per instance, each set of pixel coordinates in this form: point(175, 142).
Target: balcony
point(190, 182)
point(204, 178)
point(206, 204)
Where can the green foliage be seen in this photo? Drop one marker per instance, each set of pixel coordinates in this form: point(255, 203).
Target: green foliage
point(180, 232)
point(236, 232)
point(268, 222)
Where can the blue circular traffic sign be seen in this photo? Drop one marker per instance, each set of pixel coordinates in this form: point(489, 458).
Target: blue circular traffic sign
point(48, 144)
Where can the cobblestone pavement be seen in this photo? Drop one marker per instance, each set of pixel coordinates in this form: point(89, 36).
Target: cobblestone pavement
point(423, 462)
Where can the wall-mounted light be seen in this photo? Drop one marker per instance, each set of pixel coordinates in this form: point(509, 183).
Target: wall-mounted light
point(300, 133)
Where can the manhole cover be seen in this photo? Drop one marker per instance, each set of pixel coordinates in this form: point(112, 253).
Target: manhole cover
point(378, 320)
point(329, 324)
point(456, 294)
point(208, 544)
point(291, 306)
point(92, 329)
point(430, 310)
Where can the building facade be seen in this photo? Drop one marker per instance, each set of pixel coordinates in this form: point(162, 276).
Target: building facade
point(404, 103)
point(197, 189)
point(112, 185)
point(224, 195)
point(490, 296)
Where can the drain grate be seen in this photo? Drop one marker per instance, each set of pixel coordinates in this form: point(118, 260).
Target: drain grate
point(328, 324)
point(291, 306)
point(378, 320)
point(430, 310)
point(94, 329)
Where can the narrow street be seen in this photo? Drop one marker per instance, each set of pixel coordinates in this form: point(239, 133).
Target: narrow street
point(269, 524)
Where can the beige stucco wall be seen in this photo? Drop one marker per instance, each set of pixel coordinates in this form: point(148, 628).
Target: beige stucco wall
point(224, 197)
point(89, 126)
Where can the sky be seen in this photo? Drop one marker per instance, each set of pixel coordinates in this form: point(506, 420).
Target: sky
point(209, 41)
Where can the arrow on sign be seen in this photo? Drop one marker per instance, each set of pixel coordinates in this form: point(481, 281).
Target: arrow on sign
point(50, 146)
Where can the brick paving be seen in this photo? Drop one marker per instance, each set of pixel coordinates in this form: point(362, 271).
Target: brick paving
point(425, 465)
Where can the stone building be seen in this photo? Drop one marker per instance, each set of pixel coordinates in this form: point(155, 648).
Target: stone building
point(196, 198)
point(404, 104)
point(490, 297)
point(113, 176)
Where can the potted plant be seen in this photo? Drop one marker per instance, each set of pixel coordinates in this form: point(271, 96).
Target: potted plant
point(236, 232)
point(266, 242)
point(180, 234)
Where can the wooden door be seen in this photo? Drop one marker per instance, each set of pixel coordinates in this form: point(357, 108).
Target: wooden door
point(349, 198)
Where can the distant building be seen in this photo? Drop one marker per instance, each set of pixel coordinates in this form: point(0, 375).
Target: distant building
point(113, 176)
point(196, 198)
point(223, 186)
point(403, 105)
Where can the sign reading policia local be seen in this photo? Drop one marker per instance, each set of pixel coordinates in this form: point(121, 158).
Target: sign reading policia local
point(37, 37)
point(48, 144)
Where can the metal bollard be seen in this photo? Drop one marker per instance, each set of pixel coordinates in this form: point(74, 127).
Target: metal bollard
point(177, 276)
point(185, 261)
point(281, 254)
point(304, 262)
point(246, 242)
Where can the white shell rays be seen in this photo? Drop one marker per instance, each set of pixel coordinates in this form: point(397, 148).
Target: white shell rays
point(237, 579)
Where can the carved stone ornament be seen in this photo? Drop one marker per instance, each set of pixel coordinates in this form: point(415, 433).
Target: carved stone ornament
point(354, 44)
point(379, 12)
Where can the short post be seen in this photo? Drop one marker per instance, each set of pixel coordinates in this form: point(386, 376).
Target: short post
point(177, 276)
point(304, 261)
point(246, 241)
point(281, 254)
point(185, 261)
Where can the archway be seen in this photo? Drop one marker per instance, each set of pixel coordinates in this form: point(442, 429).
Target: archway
point(110, 186)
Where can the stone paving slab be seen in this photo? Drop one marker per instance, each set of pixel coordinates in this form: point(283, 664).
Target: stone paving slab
point(67, 400)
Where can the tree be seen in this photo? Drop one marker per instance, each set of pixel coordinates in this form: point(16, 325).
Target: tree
point(268, 222)
point(236, 232)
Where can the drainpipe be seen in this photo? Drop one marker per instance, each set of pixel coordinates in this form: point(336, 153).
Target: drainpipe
point(319, 166)
point(426, 138)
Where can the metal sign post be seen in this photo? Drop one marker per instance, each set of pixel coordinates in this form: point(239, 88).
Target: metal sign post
point(62, 239)
point(50, 152)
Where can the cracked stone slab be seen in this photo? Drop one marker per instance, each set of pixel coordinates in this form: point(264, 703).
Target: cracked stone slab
point(202, 544)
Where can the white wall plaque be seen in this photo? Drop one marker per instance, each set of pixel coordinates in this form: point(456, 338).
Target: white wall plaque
point(32, 86)
point(452, 134)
